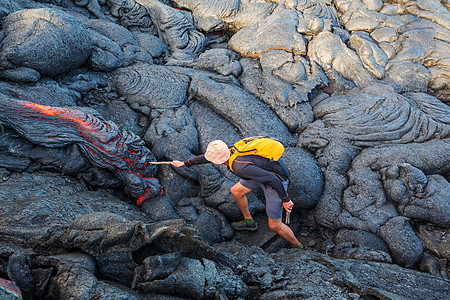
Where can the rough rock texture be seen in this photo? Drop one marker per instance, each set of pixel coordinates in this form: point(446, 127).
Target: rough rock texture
point(352, 276)
point(102, 142)
point(251, 116)
point(91, 91)
point(176, 29)
point(42, 42)
point(139, 84)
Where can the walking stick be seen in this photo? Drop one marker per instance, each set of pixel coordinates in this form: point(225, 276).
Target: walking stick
point(160, 162)
point(288, 218)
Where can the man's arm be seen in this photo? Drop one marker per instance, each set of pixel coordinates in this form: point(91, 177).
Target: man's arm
point(198, 160)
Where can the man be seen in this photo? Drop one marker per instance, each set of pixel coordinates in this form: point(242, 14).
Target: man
point(254, 174)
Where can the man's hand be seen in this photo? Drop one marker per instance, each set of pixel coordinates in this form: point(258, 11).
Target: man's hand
point(288, 206)
point(177, 163)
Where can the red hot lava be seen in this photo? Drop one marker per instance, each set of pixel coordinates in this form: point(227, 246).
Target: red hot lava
point(101, 141)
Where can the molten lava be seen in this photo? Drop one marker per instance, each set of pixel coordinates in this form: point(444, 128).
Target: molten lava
point(101, 141)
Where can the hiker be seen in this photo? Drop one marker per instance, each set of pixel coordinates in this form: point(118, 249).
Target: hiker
point(256, 172)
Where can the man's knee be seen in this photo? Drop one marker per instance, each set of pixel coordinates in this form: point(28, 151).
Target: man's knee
point(275, 225)
point(239, 190)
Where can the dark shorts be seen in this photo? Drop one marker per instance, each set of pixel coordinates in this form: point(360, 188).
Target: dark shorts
point(274, 204)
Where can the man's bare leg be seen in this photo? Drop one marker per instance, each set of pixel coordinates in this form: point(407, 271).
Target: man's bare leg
point(239, 193)
point(284, 231)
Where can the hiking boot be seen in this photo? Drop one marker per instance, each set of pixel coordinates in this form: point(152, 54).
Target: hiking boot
point(301, 247)
point(242, 225)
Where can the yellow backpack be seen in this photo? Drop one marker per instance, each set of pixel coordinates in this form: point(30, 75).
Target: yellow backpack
point(257, 145)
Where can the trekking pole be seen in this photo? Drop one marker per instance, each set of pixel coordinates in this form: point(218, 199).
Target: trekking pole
point(160, 162)
point(288, 218)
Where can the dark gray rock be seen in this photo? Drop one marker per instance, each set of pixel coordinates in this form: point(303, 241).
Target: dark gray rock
point(373, 209)
point(120, 113)
point(172, 134)
point(415, 154)
point(393, 118)
point(21, 75)
point(8, 7)
point(223, 282)
point(369, 212)
point(175, 29)
point(6, 251)
point(49, 41)
point(132, 15)
point(173, 274)
point(174, 236)
point(306, 181)
point(161, 266)
point(435, 240)
point(111, 240)
point(217, 60)
point(256, 268)
point(430, 264)
point(176, 186)
point(160, 209)
point(211, 126)
point(413, 192)
point(112, 31)
point(152, 44)
point(19, 270)
point(83, 80)
point(346, 250)
point(20, 186)
point(117, 266)
point(288, 103)
point(102, 232)
point(106, 55)
point(213, 226)
point(337, 278)
point(148, 84)
point(187, 280)
point(242, 109)
point(189, 208)
point(123, 51)
point(74, 278)
point(20, 155)
point(263, 237)
point(361, 238)
point(45, 92)
point(378, 192)
point(47, 200)
point(405, 246)
point(328, 208)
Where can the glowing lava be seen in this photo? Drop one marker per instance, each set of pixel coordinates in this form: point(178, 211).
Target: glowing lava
point(101, 141)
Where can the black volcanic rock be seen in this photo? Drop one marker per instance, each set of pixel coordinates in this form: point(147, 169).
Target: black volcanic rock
point(92, 91)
